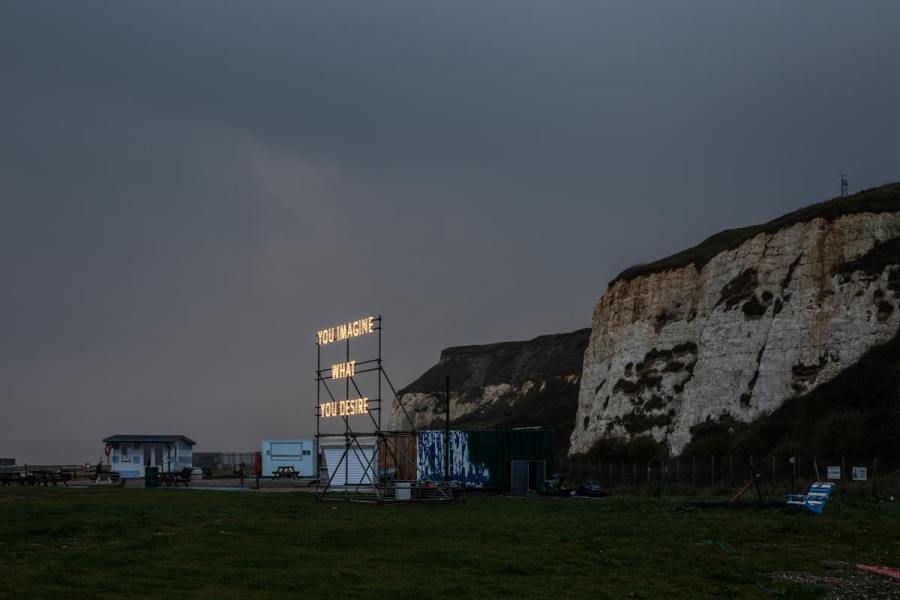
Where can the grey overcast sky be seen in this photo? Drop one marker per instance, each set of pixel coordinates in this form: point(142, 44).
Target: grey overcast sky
point(188, 190)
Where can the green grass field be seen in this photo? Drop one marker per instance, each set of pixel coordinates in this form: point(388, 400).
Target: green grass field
point(123, 543)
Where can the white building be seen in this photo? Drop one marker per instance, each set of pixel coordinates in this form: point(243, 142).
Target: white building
point(129, 454)
point(297, 453)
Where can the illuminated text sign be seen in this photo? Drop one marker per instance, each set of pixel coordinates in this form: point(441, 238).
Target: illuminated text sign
point(346, 331)
point(341, 370)
point(345, 408)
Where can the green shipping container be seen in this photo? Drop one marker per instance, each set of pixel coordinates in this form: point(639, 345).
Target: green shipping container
point(489, 456)
point(497, 450)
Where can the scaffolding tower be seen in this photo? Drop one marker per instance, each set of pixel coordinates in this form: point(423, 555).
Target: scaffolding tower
point(366, 448)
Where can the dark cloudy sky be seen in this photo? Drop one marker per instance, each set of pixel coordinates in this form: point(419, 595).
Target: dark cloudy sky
point(188, 190)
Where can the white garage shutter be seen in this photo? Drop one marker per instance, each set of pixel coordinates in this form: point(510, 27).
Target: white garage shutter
point(352, 470)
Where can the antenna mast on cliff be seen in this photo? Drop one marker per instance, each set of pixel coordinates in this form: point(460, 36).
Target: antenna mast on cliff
point(843, 186)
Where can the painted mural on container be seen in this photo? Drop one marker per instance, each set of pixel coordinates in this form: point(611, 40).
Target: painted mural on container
point(430, 459)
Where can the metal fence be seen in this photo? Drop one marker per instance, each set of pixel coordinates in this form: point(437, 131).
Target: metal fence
point(723, 471)
point(224, 461)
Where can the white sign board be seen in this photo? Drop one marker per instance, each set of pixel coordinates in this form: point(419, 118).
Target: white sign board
point(834, 472)
point(860, 474)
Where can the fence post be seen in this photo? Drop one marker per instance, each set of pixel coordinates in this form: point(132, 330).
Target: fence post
point(712, 470)
point(730, 471)
point(677, 470)
point(648, 471)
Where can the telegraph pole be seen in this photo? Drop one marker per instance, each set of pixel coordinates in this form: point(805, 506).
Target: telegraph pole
point(447, 449)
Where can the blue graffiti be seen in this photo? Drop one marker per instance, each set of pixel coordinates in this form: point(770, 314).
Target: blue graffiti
point(430, 455)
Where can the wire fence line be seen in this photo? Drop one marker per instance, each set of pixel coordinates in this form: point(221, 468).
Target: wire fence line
point(728, 470)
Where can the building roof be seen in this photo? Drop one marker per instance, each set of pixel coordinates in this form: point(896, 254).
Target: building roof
point(149, 438)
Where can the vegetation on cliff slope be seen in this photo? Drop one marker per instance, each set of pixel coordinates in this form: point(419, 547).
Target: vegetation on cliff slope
point(856, 414)
point(875, 200)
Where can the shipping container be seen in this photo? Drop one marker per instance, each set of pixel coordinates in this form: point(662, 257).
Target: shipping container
point(484, 459)
point(297, 453)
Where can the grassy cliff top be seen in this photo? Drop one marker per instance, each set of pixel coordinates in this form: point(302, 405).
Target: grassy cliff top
point(885, 198)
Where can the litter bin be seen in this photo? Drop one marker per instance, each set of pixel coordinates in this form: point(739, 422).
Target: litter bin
point(151, 477)
point(403, 490)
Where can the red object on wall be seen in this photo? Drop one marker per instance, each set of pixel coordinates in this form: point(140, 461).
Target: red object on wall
point(257, 464)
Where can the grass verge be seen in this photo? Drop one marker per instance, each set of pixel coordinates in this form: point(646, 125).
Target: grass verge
point(124, 543)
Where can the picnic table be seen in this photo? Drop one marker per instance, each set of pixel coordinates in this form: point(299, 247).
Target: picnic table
point(108, 478)
point(175, 478)
point(11, 477)
point(285, 473)
point(46, 478)
point(36, 478)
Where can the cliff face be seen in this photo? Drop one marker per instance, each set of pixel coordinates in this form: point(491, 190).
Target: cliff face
point(741, 323)
point(505, 385)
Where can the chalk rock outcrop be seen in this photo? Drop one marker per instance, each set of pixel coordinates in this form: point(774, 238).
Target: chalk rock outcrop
point(742, 322)
point(504, 385)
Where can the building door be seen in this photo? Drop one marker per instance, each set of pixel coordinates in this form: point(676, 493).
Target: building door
point(519, 477)
point(160, 456)
point(536, 474)
point(526, 475)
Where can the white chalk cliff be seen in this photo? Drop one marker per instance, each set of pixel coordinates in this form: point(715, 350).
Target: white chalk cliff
point(770, 316)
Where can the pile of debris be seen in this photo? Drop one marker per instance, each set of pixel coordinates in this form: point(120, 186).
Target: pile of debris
point(848, 582)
